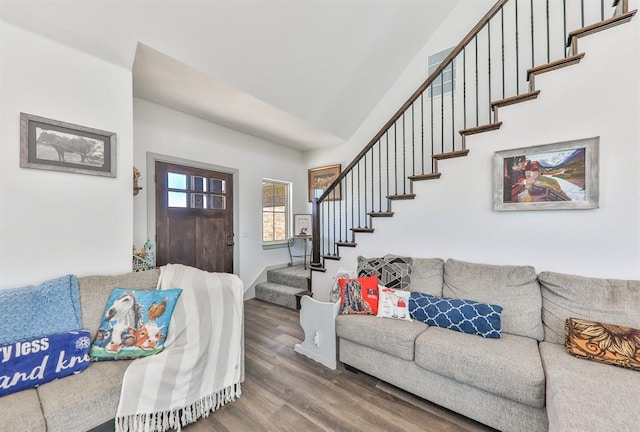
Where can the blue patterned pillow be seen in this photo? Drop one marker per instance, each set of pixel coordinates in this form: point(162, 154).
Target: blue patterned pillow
point(466, 316)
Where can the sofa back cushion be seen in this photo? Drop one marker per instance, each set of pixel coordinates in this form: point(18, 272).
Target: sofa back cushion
point(427, 276)
point(603, 300)
point(95, 291)
point(515, 288)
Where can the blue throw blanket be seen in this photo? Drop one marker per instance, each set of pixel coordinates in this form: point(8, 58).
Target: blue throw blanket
point(36, 311)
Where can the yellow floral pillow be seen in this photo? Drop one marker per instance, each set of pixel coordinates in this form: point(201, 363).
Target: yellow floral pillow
point(606, 343)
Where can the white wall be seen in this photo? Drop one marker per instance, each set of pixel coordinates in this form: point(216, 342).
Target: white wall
point(454, 217)
point(163, 131)
point(451, 31)
point(54, 223)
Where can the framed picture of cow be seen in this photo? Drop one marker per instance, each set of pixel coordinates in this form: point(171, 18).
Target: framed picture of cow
point(58, 146)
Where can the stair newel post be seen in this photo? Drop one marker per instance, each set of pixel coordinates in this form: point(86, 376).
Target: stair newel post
point(315, 233)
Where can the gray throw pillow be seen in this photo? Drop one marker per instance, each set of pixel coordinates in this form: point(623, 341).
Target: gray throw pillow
point(392, 271)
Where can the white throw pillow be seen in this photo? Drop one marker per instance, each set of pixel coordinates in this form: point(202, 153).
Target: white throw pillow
point(393, 303)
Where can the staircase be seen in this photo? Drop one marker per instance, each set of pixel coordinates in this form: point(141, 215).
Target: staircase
point(285, 286)
point(494, 66)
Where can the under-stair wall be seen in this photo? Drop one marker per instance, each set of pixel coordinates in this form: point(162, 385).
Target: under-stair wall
point(454, 216)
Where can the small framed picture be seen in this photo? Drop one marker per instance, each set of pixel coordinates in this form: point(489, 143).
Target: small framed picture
point(321, 178)
point(301, 225)
point(58, 146)
point(547, 177)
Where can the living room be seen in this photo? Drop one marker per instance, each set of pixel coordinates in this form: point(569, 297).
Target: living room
point(59, 223)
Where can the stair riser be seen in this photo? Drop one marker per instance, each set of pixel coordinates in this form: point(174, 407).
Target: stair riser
point(283, 278)
point(286, 300)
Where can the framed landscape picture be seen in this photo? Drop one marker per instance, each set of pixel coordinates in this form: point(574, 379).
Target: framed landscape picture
point(548, 177)
point(58, 146)
point(321, 178)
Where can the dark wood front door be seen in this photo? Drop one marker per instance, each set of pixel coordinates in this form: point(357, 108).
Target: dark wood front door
point(194, 217)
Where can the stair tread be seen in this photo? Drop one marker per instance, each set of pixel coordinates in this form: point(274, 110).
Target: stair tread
point(380, 214)
point(557, 64)
point(482, 128)
point(599, 26)
point(515, 99)
point(430, 176)
point(283, 295)
point(363, 230)
point(347, 244)
point(296, 276)
point(331, 257)
point(317, 268)
point(452, 154)
point(401, 196)
point(287, 289)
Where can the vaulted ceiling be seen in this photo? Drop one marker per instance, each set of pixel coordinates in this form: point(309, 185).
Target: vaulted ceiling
point(301, 73)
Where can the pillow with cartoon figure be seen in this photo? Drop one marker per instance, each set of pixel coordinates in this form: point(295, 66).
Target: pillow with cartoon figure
point(134, 324)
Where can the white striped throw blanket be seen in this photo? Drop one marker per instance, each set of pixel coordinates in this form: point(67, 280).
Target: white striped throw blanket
point(201, 366)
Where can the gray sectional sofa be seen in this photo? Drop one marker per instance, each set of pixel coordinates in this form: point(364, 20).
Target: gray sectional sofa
point(523, 381)
point(86, 401)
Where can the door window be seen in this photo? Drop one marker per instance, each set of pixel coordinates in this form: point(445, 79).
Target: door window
point(196, 192)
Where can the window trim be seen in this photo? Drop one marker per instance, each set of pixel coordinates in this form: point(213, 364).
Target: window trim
point(275, 244)
point(449, 85)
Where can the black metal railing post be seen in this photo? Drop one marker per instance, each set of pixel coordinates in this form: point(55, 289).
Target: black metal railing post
point(358, 190)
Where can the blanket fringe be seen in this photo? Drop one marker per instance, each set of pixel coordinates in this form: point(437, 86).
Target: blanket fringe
point(176, 418)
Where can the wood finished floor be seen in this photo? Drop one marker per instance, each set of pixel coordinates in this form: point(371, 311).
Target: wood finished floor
point(285, 391)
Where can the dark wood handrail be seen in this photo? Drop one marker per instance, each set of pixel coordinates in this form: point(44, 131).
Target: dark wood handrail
point(619, 16)
point(443, 65)
point(436, 73)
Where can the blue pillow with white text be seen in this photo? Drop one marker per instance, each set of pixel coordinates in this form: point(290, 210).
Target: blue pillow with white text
point(465, 316)
point(30, 362)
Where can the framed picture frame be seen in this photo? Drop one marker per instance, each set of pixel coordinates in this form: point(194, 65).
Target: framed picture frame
point(59, 146)
point(321, 178)
point(548, 177)
point(302, 225)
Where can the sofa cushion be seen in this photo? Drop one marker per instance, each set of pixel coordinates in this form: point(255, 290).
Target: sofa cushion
point(603, 342)
point(394, 337)
point(588, 396)
point(84, 401)
point(427, 276)
point(464, 316)
point(95, 290)
point(566, 296)
point(515, 288)
point(508, 367)
point(26, 414)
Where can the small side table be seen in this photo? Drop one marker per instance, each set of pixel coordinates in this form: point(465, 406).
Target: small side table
point(306, 251)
